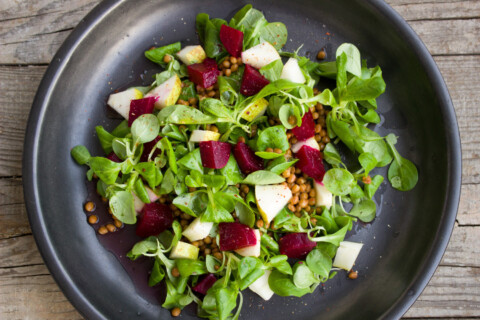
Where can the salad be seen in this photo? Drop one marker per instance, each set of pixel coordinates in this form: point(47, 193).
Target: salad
point(229, 167)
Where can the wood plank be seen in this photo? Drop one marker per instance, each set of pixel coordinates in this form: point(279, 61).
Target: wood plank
point(18, 86)
point(31, 34)
point(469, 207)
point(438, 10)
point(31, 293)
point(13, 216)
point(452, 292)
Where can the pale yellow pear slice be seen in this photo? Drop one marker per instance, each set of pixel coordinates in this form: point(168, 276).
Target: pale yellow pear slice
point(167, 93)
point(271, 199)
point(291, 71)
point(184, 250)
point(120, 101)
point(346, 255)
point(261, 287)
point(197, 230)
point(192, 54)
point(260, 55)
point(324, 198)
point(255, 109)
point(204, 135)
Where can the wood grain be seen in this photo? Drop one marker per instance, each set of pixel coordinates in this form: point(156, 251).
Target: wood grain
point(32, 31)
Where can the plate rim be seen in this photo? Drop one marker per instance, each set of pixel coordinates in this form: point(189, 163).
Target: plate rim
point(96, 15)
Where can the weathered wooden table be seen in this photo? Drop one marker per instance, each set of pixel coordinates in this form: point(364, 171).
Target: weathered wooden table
point(31, 31)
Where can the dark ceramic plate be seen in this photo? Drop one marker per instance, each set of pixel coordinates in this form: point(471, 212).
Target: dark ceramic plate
point(404, 244)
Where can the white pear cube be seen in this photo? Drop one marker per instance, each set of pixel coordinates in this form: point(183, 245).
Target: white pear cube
point(251, 251)
point(324, 198)
point(120, 101)
point(346, 255)
point(292, 72)
point(167, 93)
point(204, 135)
point(197, 230)
point(311, 142)
point(261, 287)
point(192, 54)
point(271, 199)
point(183, 250)
point(260, 55)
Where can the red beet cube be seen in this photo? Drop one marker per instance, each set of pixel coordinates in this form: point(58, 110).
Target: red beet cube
point(252, 81)
point(311, 163)
point(147, 148)
point(296, 245)
point(232, 40)
point(206, 283)
point(204, 74)
point(154, 219)
point(113, 157)
point(307, 129)
point(246, 158)
point(214, 154)
point(234, 235)
point(139, 107)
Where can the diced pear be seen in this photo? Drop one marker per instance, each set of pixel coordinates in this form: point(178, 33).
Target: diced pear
point(271, 199)
point(346, 255)
point(197, 230)
point(311, 142)
point(120, 101)
point(324, 198)
point(261, 287)
point(139, 204)
point(255, 109)
point(183, 250)
point(192, 54)
point(167, 93)
point(204, 135)
point(292, 72)
point(260, 55)
point(252, 251)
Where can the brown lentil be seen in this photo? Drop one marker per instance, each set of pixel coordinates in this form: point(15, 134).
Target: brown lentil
point(353, 275)
point(111, 228)
point(167, 58)
point(117, 223)
point(175, 272)
point(89, 206)
point(218, 255)
point(234, 67)
point(207, 251)
point(277, 150)
point(102, 230)
point(259, 223)
point(92, 219)
point(176, 312)
point(207, 240)
point(303, 203)
point(233, 60)
point(286, 174)
point(294, 200)
point(311, 201)
point(321, 54)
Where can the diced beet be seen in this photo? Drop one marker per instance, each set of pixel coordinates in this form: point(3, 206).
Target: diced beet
point(246, 158)
point(311, 163)
point(234, 235)
point(206, 283)
point(154, 219)
point(296, 245)
point(147, 148)
point(307, 129)
point(204, 74)
point(139, 107)
point(113, 157)
point(252, 81)
point(214, 154)
point(232, 40)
